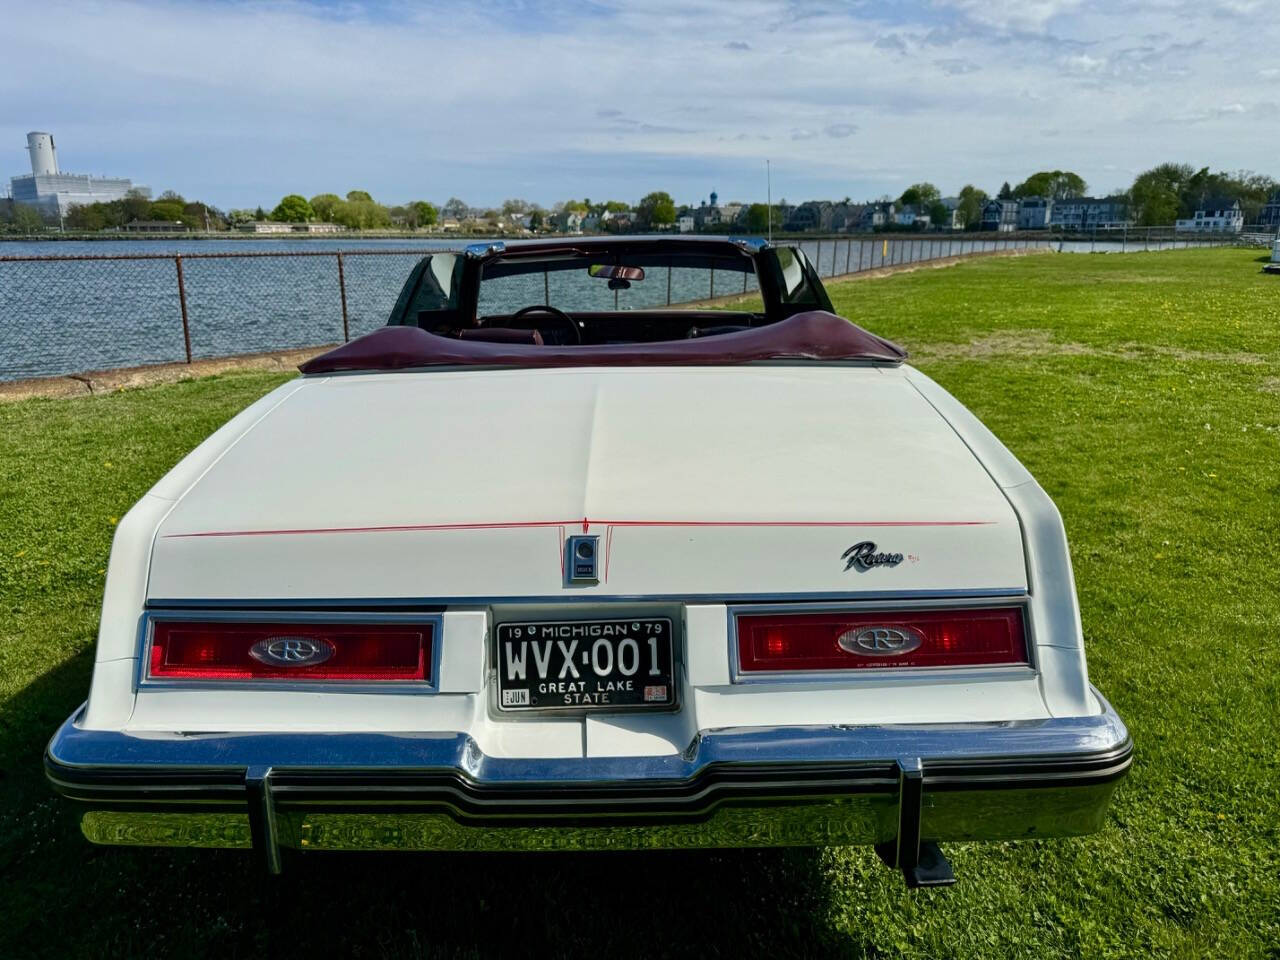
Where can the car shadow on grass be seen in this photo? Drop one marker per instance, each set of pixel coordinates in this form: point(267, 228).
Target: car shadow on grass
point(116, 901)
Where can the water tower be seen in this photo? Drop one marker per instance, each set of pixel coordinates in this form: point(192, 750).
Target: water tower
point(44, 155)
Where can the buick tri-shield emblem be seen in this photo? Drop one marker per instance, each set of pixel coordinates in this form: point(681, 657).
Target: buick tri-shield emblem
point(880, 641)
point(292, 651)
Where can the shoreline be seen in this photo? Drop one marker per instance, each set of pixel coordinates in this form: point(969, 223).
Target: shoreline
point(98, 382)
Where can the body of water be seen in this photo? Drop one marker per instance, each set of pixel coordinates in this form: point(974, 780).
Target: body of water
point(124, 307)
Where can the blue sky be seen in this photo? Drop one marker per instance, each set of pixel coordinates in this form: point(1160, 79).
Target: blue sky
point(241, 102)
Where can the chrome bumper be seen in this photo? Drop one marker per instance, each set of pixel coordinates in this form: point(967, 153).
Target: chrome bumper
point(896, 786)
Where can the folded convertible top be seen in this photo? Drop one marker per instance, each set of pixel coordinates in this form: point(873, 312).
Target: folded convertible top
point(816, 335)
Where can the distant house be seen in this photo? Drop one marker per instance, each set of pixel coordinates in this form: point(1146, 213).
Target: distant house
point(874, 216)
point(617, 221)
point(1090, 213)
point(1270, 215)
point(156, 226)
point(955, 219)
point(845, 217)
point(274, 226)
point(685, 224)
point(1000, 216)
point(912, 217)
point(1215, 215)
point(567, 221)
point(264, 226)
point(1034, 213)
point(810, 215)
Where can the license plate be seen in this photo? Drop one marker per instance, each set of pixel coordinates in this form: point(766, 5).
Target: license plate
point(585, 664)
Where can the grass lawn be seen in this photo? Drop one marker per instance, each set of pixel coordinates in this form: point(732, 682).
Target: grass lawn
point(1143, 391)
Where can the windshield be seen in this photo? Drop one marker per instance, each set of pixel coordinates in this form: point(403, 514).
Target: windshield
point(581, 284)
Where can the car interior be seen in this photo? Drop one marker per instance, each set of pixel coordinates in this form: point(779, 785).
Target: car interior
point(583, 296)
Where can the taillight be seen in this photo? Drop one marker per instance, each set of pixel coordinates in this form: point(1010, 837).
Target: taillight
point(839, 640)
point(290, 651)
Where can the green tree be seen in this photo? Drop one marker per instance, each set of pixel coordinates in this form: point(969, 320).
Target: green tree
point(259, 214)
point(615, 206)
point(536, 221)
point(1006, 192)
point(293, 209)
point(1156, 197)
point(169, 210)
point(515, 207)
point(136, 205)
point(89, 216)
point(324, 205)
point(939, 214)
point(363, 215)
point(972, 200)
point(27, 219)
point(357, 195)
point(423, 214)
point(657, 209)
point(920, 195)
point(1054, 184)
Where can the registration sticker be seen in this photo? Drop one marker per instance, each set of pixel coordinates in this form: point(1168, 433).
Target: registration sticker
point(655, 694)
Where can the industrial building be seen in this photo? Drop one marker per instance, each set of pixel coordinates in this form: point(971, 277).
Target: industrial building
point(52, 192)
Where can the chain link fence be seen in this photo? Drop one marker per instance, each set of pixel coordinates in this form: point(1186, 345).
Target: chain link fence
point(70, 314)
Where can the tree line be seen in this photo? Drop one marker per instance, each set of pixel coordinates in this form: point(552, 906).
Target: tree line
point(1157, 197)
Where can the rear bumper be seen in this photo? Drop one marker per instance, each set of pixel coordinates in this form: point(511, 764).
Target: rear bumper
point(783, 786)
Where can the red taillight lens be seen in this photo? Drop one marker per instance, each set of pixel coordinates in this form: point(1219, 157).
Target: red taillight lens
point(852, 641)
point(291, 651)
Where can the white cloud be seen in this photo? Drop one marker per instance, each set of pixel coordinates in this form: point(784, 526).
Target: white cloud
point(615, 99)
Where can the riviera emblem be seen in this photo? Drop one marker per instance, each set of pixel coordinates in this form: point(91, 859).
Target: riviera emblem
point(880, 641)
point(863, 556)
point(291, 651)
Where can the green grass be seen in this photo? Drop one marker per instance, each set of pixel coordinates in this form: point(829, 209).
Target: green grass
point(1143, 391)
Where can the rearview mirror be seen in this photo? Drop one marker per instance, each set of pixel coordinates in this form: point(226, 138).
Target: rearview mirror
point(606, 271)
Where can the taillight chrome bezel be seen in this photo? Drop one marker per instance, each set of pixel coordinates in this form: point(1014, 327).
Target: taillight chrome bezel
point(434, 620)
point(872, 674)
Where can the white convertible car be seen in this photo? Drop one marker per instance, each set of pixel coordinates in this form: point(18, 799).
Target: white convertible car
point(625, 576)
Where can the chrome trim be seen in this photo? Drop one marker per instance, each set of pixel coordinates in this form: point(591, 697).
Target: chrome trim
point(750, 244)
point(939, 746)
point(956, 674)
point(151, 616)
point(476, 251)
point(436, 603)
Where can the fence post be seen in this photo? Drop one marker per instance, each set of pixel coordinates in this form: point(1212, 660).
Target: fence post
point(342, 292)
point(848, 254)
point(182, 301)
point(713, 283)
point(668, 285)
point(1124, 240)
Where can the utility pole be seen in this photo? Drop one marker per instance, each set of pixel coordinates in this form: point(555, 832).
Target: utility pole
point(768, 176)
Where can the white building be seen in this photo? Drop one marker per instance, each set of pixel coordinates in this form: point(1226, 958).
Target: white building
point(52, 192)
point(1217, 215)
